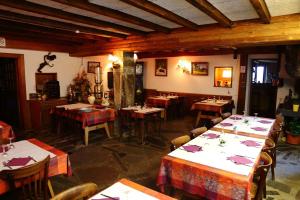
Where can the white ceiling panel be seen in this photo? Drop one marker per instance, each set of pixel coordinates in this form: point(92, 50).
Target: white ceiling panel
point(235, 9)
point(283, 7)
point(131, 10)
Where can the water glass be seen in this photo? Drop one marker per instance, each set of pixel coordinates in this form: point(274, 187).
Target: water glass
point(4, 150)
point(255, 116)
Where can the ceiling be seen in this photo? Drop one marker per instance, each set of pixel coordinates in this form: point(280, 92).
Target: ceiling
point(85, 22)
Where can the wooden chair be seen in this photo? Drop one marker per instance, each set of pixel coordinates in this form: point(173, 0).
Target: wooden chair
point(83, 191)
point(258, 187)
point(179, 141)
point(32, 179)
point(270, 148)
point(215, 121)
point(197, 131)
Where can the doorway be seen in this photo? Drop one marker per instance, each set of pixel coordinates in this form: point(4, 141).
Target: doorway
point(13, 107)
point(263, 93)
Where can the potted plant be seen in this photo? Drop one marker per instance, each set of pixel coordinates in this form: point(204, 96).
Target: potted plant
point(293, 132)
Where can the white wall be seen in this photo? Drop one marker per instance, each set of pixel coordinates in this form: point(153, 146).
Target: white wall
point(177, 81)
point(65, 66)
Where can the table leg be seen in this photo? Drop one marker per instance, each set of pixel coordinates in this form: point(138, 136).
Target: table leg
point(86, 136)
point(198, 119)
point(50, 188)
point(107, 130)
point(142, 123)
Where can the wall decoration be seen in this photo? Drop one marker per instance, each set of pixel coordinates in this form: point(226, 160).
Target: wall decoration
point(200, 68)
point(92, 66)
point(161, 67)
point(223, 77)
point(47, 59)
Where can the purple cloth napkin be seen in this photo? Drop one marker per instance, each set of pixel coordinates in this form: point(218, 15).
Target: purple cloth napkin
point(239, 160)
point(264, 122)
point(211, 135)
point(250, 143)
point(226, 124)
point(258, 128)
point(18, 161)
point(235, 118)
point(192, 148)
point(6, 149)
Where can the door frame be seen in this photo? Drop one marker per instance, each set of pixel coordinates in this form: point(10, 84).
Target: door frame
point(21, 88)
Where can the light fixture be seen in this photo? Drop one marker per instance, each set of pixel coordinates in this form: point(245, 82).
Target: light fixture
point(226, 73)
point(77, 31)
point(184, 65)
point(113, 58)
point(135, 57)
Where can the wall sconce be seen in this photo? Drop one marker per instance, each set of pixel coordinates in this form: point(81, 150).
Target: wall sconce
point(184, 65)
point(115, 61)
point(135, 57)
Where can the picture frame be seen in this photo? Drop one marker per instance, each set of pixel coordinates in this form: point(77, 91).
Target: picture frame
point(91, 66)
point(199, 68)
point(139, 68)
point(223, 77)
point(161, 67)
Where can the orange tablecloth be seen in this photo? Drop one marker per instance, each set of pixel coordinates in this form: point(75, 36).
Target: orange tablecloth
point(6, 130)
point(58, 165)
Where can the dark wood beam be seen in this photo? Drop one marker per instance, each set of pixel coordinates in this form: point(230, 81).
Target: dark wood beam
point(161, 12)
point(67, 35)
point(56, 24)
point(262, 10)
point(211, 11)
point(101, 10)
point(282, 31)
point(60, 14)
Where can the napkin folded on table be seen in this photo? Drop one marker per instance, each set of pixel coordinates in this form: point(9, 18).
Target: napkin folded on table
point(226, 124)
point(22, 161)
point(192, 148)
point(211, 135)
point(235, 118)
point(239, 160)
point(251, 143)
point(259, 128)
point(264, 121)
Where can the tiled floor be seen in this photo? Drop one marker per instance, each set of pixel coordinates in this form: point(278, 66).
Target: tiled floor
point(105, 161)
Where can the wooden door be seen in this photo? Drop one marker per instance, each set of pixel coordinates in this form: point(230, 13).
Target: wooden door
point(263, 94)
point(9, 106)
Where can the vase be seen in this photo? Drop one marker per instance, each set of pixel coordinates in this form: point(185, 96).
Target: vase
point(91, 99)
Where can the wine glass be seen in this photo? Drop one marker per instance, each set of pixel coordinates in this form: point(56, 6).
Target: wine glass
point(4, 154)
point(244, 113)
point(235, 131)
point(255, 116)
point(11, 137)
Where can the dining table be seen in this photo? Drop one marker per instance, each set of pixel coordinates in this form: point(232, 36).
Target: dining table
point(26, 152)
point(142, 113)
point(91, 117)
point(251, 126)
point(125, 189)
point(6, 131)
point(213, 165)
point(168, 102)
point(210, 105)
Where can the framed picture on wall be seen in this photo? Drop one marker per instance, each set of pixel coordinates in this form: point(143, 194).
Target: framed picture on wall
point(92, 66)
point(161, 67)
point(200, 68)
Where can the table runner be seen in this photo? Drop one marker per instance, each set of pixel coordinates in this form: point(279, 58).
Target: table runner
point(247, 125)
point(59, 161)
point(128, 190)
point(211, 172)
point(91, 117)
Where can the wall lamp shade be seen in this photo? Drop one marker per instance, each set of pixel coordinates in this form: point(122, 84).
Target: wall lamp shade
point(184, 65)
point(226, 74)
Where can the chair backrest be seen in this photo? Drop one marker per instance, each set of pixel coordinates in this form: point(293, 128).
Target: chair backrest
point(226, 115)
point(179, 141)
point(275, 135)
point(262, 170)
point(270, 147)
point(32, 179)
point(216, 120)
point(198, 131)
point(83, 191)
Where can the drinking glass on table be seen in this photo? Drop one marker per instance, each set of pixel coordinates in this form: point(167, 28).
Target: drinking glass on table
point(11, 137)
point(244, 113)
point(4, 153)
point(255, 116)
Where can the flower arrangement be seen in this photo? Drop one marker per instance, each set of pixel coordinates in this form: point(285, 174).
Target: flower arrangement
point(81, 86)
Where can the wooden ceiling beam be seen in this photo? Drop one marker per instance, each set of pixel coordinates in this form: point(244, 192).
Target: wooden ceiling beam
point(262, 10)
point(161, 12)
point(243, 34)
point(60, 14)
point(56, 24)
point(101, 10)
point(211, 11)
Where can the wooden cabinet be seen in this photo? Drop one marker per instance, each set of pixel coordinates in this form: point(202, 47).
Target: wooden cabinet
point(40, 112)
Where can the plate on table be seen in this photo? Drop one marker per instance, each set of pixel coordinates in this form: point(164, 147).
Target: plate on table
point(85, 109)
